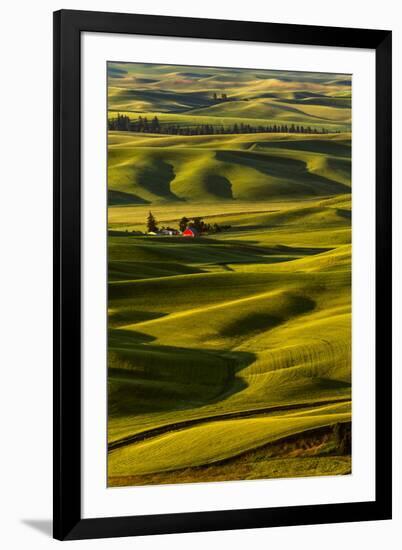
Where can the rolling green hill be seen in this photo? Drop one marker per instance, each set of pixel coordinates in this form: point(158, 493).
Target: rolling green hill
point(251, 94)
point(229, 355)
point(252, 324)
point(209, 168)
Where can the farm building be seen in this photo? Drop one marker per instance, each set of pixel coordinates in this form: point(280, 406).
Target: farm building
point(191, 232)
point(168, 231)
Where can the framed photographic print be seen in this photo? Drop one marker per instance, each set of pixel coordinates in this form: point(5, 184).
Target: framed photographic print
point(222, 269)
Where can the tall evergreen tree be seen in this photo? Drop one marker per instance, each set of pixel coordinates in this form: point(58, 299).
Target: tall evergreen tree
point(151, 223)
point(155, 126)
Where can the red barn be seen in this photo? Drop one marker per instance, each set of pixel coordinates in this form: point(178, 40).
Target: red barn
point(190, 232)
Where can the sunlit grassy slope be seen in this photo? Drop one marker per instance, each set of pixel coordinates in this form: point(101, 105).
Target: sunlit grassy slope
point(257, 318)
point(144, 169)
point(230, 354)
point(188, 95)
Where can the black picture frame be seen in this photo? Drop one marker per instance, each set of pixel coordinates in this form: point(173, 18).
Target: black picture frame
point(68, 27)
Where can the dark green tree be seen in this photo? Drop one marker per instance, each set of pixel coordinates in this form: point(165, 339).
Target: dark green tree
point(198, 224)
point(155, 126)
point(183, 223)
point(152, 223)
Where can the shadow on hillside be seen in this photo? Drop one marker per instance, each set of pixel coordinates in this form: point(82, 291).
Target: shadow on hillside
point(129, 317)
point(118, 198)
point(219, 186)
point(255, 322)
point(289, 171)
point(156, 178)
point(146, 378)
point(327, 147)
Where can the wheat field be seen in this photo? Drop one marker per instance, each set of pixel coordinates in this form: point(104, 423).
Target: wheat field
point(229, 354)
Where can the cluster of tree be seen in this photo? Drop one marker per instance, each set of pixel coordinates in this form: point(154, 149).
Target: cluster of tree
point(202, 227)
point(223, 97)
point(195, 222)
point(142, 124)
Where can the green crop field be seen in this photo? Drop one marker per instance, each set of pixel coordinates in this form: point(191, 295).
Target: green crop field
point(229, 354)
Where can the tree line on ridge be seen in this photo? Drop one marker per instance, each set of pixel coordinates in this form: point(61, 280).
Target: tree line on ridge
point(123, 123)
